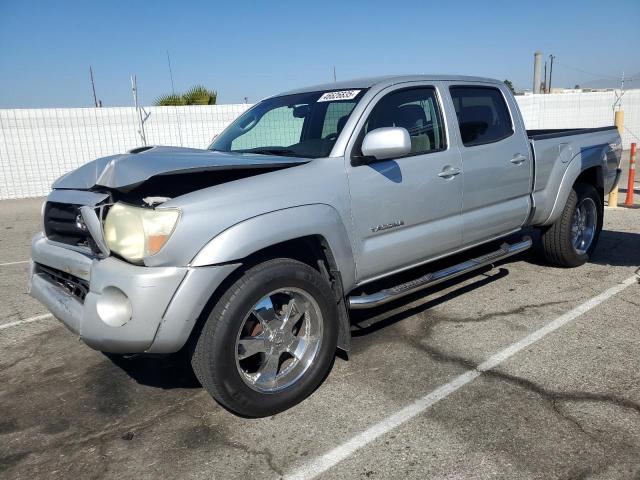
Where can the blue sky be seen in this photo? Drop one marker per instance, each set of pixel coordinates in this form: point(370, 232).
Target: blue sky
point(254, 49)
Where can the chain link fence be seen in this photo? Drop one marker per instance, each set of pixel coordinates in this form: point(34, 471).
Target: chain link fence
point(39, 145)
point(582, 110)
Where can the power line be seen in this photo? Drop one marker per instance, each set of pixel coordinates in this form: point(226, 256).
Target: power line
point(603, 77)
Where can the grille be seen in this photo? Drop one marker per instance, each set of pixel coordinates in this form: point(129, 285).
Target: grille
point(61, 225)
point(72, 284)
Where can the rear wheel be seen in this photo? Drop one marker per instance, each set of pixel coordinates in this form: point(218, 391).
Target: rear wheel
point(571, 239)
point(270, 340)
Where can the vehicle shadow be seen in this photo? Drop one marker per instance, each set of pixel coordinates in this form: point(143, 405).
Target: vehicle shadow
point(615, 248)
point(365, 322)
point(174, 371)
point(165, 372)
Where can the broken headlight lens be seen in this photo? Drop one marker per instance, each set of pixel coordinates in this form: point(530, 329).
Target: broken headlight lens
point(135, 233)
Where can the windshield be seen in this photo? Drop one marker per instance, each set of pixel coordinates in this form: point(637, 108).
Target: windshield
point(301, 125)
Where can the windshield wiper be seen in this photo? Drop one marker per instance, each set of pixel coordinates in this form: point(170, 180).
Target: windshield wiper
point(285, 152)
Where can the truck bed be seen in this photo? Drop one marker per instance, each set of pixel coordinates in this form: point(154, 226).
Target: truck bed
point(553, 151)
point(548, 133)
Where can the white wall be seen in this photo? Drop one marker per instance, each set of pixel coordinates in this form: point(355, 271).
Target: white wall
point(39, 145)
point(593, 109)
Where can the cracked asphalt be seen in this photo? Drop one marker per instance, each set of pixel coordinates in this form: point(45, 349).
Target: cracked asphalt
point(566, 407)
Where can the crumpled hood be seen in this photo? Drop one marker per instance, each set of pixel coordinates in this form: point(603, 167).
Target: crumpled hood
point(130, 169)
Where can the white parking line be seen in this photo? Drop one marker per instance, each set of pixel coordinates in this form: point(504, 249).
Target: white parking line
point(321, 464)
point(13, 263)
point(26, 320)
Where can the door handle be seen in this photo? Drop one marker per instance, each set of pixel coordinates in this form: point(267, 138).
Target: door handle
point(449, 172)
point(518, 159)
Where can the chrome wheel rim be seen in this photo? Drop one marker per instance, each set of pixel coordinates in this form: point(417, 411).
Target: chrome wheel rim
point(583, 225)
point(279, 340)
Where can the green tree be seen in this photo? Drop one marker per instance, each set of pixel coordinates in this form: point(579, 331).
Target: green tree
point(197, 95)
point(169, 100)
point(509, 84)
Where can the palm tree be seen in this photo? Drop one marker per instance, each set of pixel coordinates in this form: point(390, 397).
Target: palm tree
point(169, 100)
point(197, 95)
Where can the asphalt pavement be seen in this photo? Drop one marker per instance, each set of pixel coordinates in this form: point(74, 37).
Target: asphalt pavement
point(521, 371)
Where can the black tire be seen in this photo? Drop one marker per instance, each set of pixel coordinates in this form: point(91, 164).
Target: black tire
point(214, 354)
point(556, 242)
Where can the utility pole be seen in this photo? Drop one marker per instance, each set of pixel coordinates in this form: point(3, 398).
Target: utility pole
point(93, 86)
point(545, 78)
point(334, 74)
point(551, 58)
point(173, 92)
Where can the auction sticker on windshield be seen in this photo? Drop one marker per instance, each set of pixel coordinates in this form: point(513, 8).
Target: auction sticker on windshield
point(340, 95)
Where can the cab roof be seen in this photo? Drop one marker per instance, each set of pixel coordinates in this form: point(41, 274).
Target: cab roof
point(385, 81)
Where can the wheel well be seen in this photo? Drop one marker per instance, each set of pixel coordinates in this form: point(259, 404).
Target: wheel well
point(593, 176)
point(312, 250)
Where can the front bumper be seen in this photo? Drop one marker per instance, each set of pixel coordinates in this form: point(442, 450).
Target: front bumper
point(163, 302)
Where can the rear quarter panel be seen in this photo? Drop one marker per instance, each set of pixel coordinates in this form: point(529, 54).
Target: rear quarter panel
point(560, 160)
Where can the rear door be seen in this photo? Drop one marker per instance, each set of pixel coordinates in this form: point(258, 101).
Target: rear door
point(496, 161)
point(405, 210)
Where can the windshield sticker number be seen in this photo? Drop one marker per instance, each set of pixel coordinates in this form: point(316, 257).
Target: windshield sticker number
point(341, 95)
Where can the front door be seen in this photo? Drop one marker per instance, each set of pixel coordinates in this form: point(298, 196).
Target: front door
point(406, 210)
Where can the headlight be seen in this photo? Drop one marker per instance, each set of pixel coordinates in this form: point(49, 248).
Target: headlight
point(135, 233)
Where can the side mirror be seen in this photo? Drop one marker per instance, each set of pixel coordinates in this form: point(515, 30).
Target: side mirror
point(387, 142)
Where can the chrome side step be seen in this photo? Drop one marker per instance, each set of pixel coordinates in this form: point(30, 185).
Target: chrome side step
point(430, 279)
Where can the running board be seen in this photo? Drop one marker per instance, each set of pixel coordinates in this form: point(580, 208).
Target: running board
point(430, 279)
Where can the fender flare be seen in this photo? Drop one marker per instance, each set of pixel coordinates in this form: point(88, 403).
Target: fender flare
point(578, 164)
point(256, 233)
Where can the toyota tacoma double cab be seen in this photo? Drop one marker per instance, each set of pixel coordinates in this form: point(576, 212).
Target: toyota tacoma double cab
point(250, 254)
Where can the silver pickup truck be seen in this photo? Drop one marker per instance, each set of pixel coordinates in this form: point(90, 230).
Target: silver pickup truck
point(249, 255)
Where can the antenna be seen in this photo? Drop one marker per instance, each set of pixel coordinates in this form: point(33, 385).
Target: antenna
point(173, 92)
point(173, 88)
point(93, 87)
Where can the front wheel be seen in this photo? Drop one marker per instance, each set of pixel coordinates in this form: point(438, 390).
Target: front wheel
point(270, 339)
point(571, 239)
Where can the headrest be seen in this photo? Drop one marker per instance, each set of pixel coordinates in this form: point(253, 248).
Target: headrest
point(481, 113)
point(410, 117)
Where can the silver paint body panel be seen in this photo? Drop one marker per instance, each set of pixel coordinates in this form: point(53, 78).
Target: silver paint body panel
point(130, 169)
point(431, 216)
point(165, 301)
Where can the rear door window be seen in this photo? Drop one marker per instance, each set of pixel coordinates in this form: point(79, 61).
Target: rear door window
point(482, 114)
